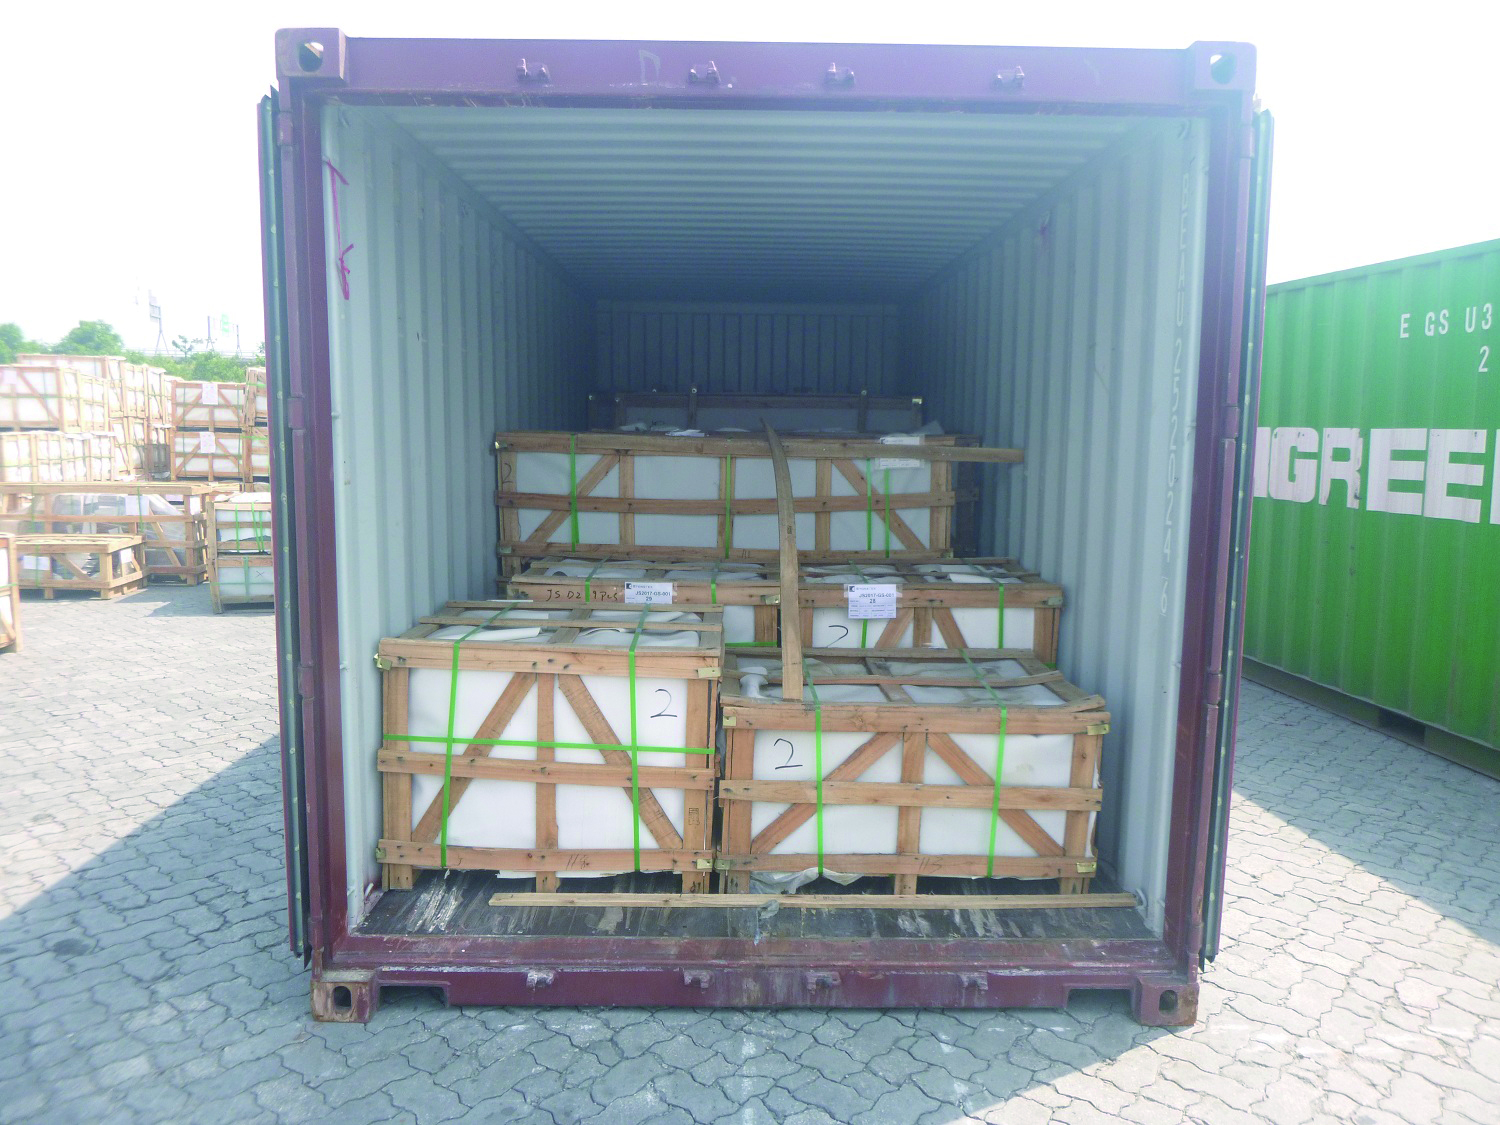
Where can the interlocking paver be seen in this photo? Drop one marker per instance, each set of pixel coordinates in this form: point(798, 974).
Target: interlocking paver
point(145, 973)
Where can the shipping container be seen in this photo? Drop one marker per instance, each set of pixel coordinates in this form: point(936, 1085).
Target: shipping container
point(1373, 574)
point(1056, 249)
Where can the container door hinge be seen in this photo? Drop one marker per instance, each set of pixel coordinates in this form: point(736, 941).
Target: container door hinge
point(696, 977)
point(296, 413)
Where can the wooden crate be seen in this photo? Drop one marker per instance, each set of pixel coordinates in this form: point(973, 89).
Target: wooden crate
point(257, 455)
point(209, 405)
point(858, 413)
point(239, 579)
point(107, 565)
point(657, 497)
point(953, 603)
point(10, 597)
point(550, 680)
point(239, 523)
point(910, 738)
point(171, 516)
point(41, 397)
point(211, 455)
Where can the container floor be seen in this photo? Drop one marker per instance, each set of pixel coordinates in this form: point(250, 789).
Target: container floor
point(458, 904)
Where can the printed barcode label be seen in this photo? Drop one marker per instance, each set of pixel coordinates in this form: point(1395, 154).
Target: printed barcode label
point(870, 601)
point(649, 593)
point(899, 462)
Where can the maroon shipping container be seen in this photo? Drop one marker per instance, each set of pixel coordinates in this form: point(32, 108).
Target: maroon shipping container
point(1057, 249)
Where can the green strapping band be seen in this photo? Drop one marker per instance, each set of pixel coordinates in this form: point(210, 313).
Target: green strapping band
point(588, 582)
point(1000, 618)
point(989, 870)
point(635, 757)
point(573, 487)
point(817, 754)
point(729, 501)
point(869, 510)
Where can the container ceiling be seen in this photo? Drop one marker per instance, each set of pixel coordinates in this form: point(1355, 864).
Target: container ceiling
point(756, 204)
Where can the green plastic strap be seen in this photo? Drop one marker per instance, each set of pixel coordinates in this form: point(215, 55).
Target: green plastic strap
point(573, 487)
point(588, 582)
point(989, 870)
point(635, 756)
point(864, 622)
point(1000, 618)
point(817, 754)
point(452, 719)
point(728, 504)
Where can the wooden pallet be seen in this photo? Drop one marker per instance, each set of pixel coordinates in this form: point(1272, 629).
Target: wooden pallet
point(550, 679)
point(861, 413)
point(10, 597)
point(47, 562)
point(44, 509)
point(555, 488)
point(912, 740)
point(925, 606)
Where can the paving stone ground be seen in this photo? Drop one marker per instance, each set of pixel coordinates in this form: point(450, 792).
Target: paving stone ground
point(144, 974)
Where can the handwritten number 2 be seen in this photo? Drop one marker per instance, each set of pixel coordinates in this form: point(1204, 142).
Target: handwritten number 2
point(790, 751)
point(664, 713)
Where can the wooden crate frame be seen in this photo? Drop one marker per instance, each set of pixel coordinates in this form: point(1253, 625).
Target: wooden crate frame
point(554, 660)
point(223, 593)
point(192, 411)
point(922, 602)
point(224, 463)
point(685, 408)
point(108, 583)
point(237, 510)
point(10, 597)
point(833, 456)
point(76, 402)
point(916, 729)
point(34, 507)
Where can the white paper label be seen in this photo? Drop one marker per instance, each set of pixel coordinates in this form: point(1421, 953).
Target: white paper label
point(649, 593)
point(210, 394)
point(870, 601)
point(899, 462)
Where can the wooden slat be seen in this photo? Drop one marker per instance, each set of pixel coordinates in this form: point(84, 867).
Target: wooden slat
point(535, 859)
point(546, 794)
point(851, 767)
point(865, 863)
point(628, 901)
point(547, 773)
point(791, 624)
point(586, 484)
point(891, 793)
point(396, 788)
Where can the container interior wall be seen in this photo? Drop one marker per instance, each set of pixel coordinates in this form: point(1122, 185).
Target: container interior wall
point(1069, 329)
point(1074, 335)
point(454, 326)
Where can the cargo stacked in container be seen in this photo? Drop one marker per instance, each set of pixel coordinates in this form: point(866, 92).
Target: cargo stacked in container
point(1058, 251)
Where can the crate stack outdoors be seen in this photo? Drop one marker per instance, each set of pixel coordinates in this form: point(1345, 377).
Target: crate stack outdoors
point(219, 431)
point(86, 474)
point(747, 660)
point(239, 550)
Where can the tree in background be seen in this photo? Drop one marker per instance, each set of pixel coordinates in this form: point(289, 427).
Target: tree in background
point(13, 342)
point(90, 337)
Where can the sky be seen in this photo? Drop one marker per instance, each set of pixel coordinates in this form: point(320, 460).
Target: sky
point(131, 129)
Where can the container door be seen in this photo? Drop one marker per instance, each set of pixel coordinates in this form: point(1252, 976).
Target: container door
point(1249, 387)
point(293, 786)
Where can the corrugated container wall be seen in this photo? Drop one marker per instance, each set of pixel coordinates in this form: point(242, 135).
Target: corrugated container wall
point(1054, 248)
point(1376, 544)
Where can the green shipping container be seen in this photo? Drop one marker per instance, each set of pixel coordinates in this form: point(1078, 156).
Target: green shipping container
point(1375, 534)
